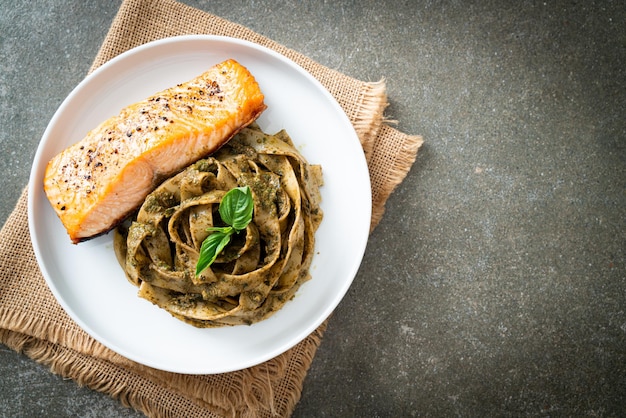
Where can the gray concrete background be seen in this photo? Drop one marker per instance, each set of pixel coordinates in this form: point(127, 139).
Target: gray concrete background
point(496, 283)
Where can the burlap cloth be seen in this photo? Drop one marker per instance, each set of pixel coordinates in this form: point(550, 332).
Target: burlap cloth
point(33, 323)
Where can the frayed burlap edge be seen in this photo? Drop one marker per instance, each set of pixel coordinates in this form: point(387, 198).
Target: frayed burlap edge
point(373, 102)
point(388, 169)
point(143, 389)
point(119, 383)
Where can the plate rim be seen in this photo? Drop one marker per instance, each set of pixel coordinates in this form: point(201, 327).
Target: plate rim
point(34, 184)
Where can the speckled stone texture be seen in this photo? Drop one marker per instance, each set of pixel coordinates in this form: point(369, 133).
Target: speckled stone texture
point(495, 285)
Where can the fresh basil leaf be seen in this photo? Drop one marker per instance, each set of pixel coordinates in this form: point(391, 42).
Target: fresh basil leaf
point(236, 210)
point(236, 207)
point(211, 247)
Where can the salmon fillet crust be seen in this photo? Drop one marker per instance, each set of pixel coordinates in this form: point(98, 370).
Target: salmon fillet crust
point(96, 183)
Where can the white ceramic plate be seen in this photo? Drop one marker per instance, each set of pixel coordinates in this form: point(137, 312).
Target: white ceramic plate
point(86, 278)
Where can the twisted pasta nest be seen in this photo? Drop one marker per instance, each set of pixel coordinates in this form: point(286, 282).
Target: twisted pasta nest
point(262, 267)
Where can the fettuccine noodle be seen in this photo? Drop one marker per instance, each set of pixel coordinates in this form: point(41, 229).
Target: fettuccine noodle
point(262, 268)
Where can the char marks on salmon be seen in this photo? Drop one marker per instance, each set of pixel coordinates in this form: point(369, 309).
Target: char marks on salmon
point(96, 183)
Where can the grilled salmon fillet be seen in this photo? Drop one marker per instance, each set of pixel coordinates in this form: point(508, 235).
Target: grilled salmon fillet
point(96, 183)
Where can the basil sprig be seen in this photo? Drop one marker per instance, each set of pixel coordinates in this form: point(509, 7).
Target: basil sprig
point(236, 211)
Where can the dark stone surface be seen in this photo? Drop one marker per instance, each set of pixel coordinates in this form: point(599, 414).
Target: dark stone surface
point(496, 283)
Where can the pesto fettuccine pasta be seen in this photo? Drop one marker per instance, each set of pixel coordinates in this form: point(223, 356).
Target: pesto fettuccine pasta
point(262, 266)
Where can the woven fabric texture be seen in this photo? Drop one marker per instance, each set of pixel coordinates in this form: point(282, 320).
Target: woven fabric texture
point(33, 323)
